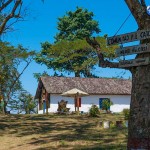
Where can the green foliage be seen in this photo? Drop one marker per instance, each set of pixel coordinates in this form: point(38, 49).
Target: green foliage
point(76, 25)
point(70, 53)
point(94, 111)
point(126, 113)
point(108, 51)
point(68, 56)
point(23, 102)
point(10, 59)
point(106, 103)
point(27, 102)
point(72, 56)
point(38, 75)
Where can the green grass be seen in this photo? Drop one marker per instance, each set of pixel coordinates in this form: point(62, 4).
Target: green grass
point(60, 132)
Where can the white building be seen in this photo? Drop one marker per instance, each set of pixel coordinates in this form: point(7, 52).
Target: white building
point(50, 89)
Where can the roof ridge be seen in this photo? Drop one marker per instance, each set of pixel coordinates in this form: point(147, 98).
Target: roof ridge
point(85, 78)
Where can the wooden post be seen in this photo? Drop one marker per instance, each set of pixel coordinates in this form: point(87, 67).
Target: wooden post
point(47, 103)
point(46, 107)
point(75, 103)
point(78, 103)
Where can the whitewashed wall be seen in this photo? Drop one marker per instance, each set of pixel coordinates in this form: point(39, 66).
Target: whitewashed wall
point(119, 102)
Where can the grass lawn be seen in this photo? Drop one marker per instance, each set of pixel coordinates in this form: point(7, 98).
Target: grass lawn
point(60, 132)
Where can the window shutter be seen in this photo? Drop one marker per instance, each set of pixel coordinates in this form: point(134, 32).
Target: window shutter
point(100, 103)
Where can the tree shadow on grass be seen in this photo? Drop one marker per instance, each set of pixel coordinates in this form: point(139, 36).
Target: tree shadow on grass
point(104, 143)
point(98, 147)
point(51, 129)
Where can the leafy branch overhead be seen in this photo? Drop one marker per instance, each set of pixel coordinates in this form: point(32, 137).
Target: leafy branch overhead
point(102, 61)
point(71, 56)
point(138, 9)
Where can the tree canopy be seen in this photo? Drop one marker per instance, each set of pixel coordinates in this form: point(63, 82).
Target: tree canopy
point(72, 56)
point(10, 59)
point(70, 52)
point(68, 56)
point(76, 25)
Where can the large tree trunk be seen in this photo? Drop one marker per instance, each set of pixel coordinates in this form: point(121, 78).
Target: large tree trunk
point(139, 121)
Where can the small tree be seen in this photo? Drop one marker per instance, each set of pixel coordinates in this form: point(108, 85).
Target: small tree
point(94, 111)
point(23, 102)
point(106, 103)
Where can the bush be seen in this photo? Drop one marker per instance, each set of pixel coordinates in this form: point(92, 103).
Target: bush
point(106, 103)
point(94, 111)
point(126, 113)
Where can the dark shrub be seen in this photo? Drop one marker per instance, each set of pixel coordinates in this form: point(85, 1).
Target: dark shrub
point(94, 111)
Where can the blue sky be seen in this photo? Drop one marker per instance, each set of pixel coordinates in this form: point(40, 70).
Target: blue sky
point(41, 23)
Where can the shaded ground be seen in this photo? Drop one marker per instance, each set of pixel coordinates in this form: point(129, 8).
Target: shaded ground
point(53, 132)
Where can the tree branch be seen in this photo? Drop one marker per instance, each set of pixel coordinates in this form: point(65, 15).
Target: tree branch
point(4, 5)
point(11, 15)
point(102, 62)
point(143, 3)
point(138, 11)
point(10, 90)
point(8, 27)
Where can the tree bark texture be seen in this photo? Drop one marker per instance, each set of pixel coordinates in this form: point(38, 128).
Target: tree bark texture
point(139, 120)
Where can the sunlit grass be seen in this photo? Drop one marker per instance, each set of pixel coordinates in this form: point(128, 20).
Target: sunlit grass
point(63, 132)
